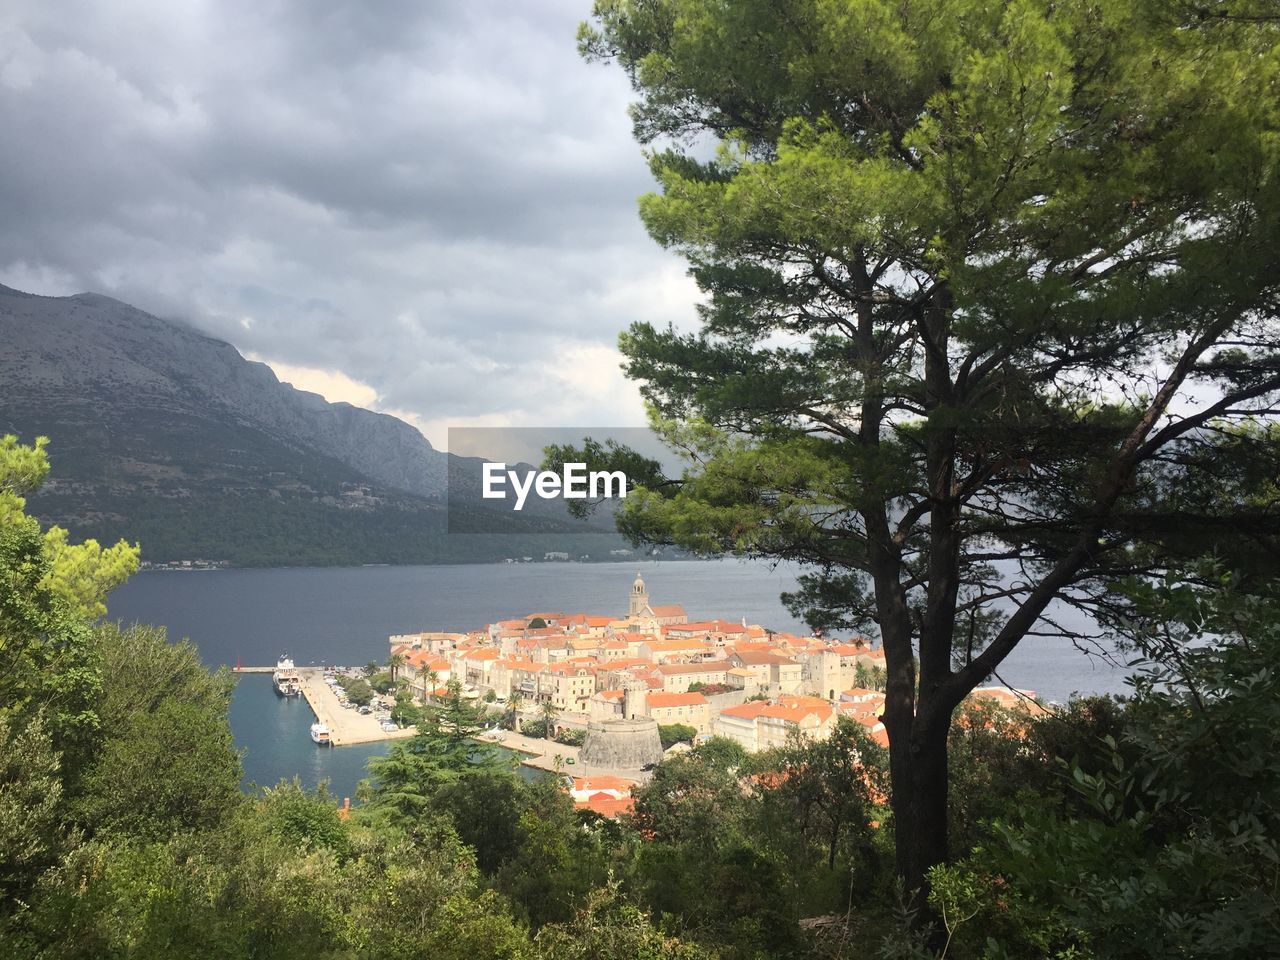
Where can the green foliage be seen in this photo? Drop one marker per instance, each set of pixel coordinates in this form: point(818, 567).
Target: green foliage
point(485, 806)
point(1170, 848)
point(49, 591)
point(721, 753)
point(358, 691)
point(306, 820)
point(692, 801)
point(406, 713)
point(443, 749)
point(673, 733)
point(170, 769)
point(869, 677)
point(549, 714)
point(167, 762)
point(83, 574)
point(571, 737)
point(381, 681)
point(557, 862)
point(537, 623)
point(32, 833)
point(250, 892)
point(609, 927)
point(515, 703)
point(830, 788)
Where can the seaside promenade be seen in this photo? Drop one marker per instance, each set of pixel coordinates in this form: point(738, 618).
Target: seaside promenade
point(535, 751)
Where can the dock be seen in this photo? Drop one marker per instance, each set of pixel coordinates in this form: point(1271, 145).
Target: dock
point(346, 726)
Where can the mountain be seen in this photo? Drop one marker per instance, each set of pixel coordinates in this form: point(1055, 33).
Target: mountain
point(162, 434)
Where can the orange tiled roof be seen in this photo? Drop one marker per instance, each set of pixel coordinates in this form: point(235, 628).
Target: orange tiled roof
point(796, 709)
point(850, 649)
point(689, 644)
point(607, 806)
point(602, 782)
point(676, 699)
point(861, 694)
point(668, 610)
point(708, 626)
point(760, 657)
point(746, 711)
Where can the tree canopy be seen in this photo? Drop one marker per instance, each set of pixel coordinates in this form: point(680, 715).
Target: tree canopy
point(989, 320)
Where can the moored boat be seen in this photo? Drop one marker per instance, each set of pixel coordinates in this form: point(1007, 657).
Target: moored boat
point(285, 678)
point(320, 734)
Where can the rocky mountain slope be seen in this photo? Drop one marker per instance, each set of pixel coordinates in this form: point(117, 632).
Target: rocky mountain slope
point(162, 434)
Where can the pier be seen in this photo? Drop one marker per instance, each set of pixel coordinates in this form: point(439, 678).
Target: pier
point(346, 726)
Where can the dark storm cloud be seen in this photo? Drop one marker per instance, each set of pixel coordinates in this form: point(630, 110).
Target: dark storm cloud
point(437, 200)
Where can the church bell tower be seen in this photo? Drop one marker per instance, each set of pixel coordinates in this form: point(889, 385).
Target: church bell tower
point(639, 598)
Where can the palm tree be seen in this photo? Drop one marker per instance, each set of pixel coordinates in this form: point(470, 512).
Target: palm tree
point(394, 663)
point(548, 711)
point(430, 680)
point(514, 703)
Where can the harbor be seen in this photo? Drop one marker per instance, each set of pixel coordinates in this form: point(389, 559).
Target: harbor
point(347, 727)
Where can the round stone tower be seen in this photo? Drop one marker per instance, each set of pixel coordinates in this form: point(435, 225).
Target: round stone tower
point(630, 744)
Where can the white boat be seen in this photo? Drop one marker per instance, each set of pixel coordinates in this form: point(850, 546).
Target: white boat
point(320, 734)
point(285, 678)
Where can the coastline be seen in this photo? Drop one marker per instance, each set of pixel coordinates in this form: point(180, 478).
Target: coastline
point(349, 728)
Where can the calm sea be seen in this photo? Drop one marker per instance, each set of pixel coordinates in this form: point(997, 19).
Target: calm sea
point(344, 616)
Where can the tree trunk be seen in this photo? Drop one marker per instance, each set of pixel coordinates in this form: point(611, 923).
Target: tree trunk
point(918, 769)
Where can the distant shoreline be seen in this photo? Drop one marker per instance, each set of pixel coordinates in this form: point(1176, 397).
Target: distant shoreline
point(615, 561)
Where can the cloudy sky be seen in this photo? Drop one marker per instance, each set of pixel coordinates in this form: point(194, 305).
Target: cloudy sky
point(428, 209)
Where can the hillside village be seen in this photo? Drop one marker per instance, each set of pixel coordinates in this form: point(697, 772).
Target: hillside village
point(736, 680)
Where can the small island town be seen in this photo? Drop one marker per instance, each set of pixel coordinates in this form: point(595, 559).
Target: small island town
point(602, 699)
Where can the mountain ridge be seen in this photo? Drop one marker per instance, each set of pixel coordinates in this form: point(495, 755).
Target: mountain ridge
point(377, 445)
point(165, 434)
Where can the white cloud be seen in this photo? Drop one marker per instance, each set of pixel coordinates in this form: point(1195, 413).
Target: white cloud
point(334, 385)
point(435, 202)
